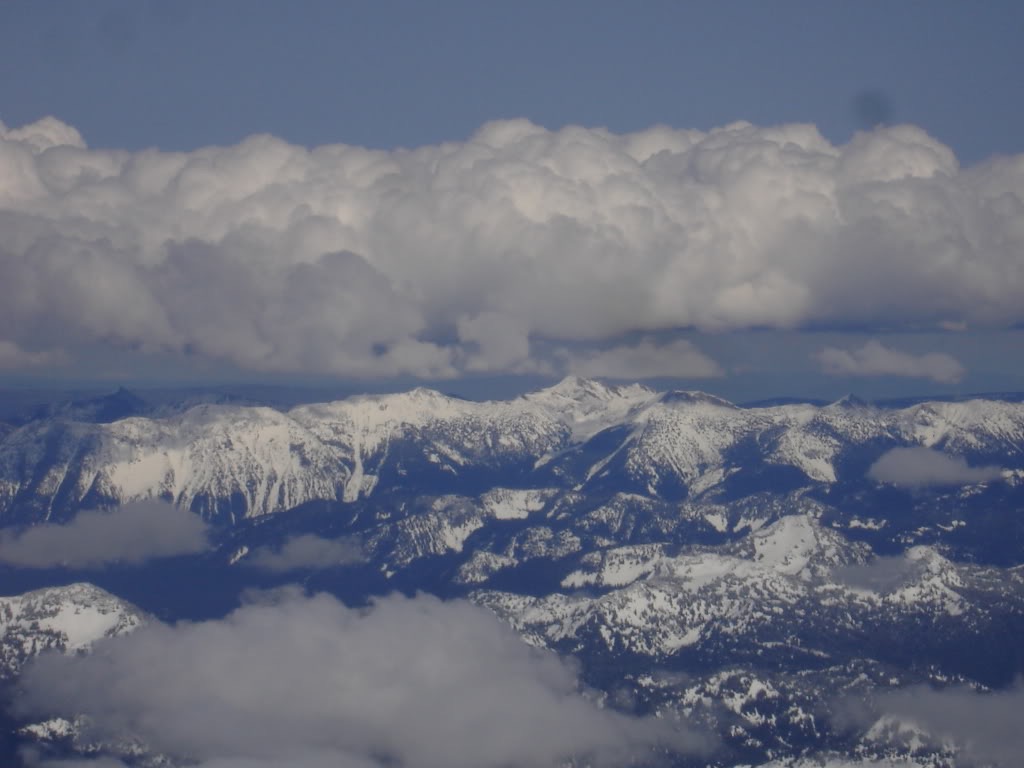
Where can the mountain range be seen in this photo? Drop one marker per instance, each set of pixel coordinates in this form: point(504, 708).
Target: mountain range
point(747, 568)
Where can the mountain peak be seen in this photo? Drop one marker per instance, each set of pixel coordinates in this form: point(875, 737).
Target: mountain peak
point(588, 406)
point(580, 389)
point(850, 401)
point(426, 393)
point(68, 618)
point(574, 387)
point(98, 409)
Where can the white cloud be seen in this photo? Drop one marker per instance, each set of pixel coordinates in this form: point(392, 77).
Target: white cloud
point(456, 257)
point(875, 359)
point(646, 360)
point(306, 551)
point(414, 682)
point(919, 467)
point(134, 533)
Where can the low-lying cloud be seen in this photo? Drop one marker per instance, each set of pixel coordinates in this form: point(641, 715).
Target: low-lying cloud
point(460, 257)
point(919, 467)
point(881, 574)
point(415, 682)
point(306, 551)
point(134, 533)
point(875, 359)
point(987, 728)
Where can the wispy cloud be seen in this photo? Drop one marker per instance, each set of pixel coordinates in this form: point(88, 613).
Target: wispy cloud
point(918, 467)
point(457, 257)
point(415, 682)
point(134, 533)
point(875, 359)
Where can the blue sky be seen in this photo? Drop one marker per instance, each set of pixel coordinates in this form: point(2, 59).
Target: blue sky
point(180, 76)
point(382, 74)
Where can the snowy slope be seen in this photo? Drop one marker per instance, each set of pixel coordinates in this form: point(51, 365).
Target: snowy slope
point(69, 619)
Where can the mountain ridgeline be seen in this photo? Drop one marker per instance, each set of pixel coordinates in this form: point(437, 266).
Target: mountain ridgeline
point(231, 462)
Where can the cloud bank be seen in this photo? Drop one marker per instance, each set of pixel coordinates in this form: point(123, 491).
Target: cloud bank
point(306, 550)
point(413, 682)
point(461, 256)
point(137, 532)
point(875, 359)
point(919, 467)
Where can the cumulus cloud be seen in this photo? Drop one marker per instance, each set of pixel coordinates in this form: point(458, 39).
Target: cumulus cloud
point(137, 532)
point(875, 359)
point(306, 550)
point(415, 682)
point(461, 256)
point(646, 360)
point(986, 727)
point(919, 467)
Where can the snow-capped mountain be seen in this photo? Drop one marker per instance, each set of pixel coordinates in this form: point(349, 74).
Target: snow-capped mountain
point(763, 638)
point(67, 619)
point(739, 566)
point(70, 620)
point(793, 588)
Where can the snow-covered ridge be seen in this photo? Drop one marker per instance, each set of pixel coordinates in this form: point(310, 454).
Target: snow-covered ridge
point(241, 461)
